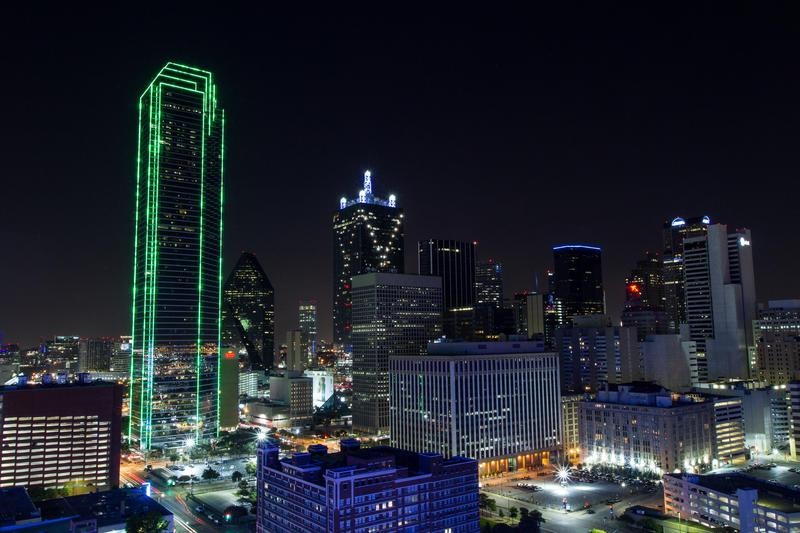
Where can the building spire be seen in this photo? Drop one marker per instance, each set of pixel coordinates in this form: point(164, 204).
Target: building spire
point(368, 183)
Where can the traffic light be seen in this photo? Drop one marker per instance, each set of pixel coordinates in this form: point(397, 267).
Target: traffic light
point(227, 517)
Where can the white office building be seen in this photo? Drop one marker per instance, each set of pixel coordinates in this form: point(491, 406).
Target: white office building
point(497, 402)
point(322, 385)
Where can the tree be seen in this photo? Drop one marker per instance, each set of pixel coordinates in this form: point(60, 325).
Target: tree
point(250, 468)
point(501, 513)
point(243, 486)
point(174, 457)
point(210, 473)
point(491, 505)
point(530, 521)
point(236, 476)
point(513, 512)
point(38, 494)
point(151, 522)
point(483, 500)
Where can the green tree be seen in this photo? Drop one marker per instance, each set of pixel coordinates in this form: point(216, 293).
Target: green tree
point(491, 504)
point(501, 513)
point(237, 476)
point(174, 457)
point(250, 468)
point(243, 485)
point(151, 522)
point(210, 473)
point(483, 500)
point(38, 494)
point(513, 512)
point(530, 521)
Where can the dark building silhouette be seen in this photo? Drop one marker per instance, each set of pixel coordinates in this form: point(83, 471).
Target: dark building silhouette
point(644, 298)
point(454, 262)
point(578, 280)
point(249, 313)
point(367, 237)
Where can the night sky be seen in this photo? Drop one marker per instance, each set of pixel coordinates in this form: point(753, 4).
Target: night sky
point(520, 130)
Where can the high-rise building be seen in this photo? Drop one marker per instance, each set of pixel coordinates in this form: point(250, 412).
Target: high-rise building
point(58, 435)
point(363, 490)
point(513, 422)
point(644, 298)
point(248, 313)
point(578, 280)
point(393, 315)
point(177, 286)
point(121, 355)
point(367, 237)
point(674, 232)
point(592, 353)
point(62, 352)
point(720, 297)
point(776, 334)
point(94, 354)
point(296, 354)
point(307, 314)
point(489, 283)
point(229, 390)
point(454, 262)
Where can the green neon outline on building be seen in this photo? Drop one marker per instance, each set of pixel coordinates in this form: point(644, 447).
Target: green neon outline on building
point(176, 89)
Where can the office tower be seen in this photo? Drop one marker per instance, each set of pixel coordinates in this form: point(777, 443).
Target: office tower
point(229, 390)
point(592, 353)
point(61, 435)
point(776, 334)
point(121, 355)
point(496, 402)
point(520, 306)
point(367, 237)
point(794, 418)
point(248, 313)
point(731, 501)
point(454, 262)
point(95, 354)
point(570, 423)
point(295, 392)
point(363, 490)
point(673, 233)
point(296, 354)
point(307, 313)
point(177, 261)
point(489, 283)
point(61, 353)
point(578, 280)
point(670, 360)
point(728, 429)
point(393, 314)
point(322, 385)
point(248, 383)
point(718, 300)
point(644, 298)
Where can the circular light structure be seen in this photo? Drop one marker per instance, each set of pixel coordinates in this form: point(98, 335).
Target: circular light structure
point(706, 219)
point(678, 221)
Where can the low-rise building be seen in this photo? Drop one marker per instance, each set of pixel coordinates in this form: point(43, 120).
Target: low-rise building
point(735, 500)
point(363, 490)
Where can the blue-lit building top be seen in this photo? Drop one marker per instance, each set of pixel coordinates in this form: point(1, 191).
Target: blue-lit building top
point(365, 196)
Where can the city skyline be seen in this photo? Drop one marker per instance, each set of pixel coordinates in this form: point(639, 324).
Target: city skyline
point(516, 146)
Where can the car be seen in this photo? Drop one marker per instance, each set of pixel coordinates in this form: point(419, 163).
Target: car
point(199, 509)
point(590, 511)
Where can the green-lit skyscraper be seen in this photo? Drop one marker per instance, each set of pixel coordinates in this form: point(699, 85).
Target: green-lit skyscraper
point(177, 261)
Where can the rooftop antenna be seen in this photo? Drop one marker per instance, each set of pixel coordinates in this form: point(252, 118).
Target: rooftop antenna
point(368, 183)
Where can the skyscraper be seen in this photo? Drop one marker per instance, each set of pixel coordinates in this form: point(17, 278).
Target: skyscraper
point(393, 314)
point(307, 318)
point(367, 237)
point(489, 283)
point(94, 354)
point(719, 291)
point(674, 232)
point(644, 298)
point(248, 313)
point(578, 280)
point(177, 261)
point(777, 342)
point(454, 262)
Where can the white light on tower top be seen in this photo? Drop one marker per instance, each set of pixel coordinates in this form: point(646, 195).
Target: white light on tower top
point(368, 182)
point(392, 200)
point(342, 202)
point(362, 196)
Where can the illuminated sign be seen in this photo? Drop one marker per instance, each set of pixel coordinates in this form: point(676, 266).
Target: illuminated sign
point(678, 221)
point(230, 355)
point(743, 242)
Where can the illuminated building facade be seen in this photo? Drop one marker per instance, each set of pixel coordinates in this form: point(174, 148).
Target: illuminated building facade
point(489, 283)
point(248, 313)
point(177, 287)
point(365, 490)
point(229, 390)
point(497, 402)
point(367, 237)
point(674, 232)
point(776, 334)
point(307, 318)
point(57, 435)
point(393, 315)
point(578, 280)
point(94, 354)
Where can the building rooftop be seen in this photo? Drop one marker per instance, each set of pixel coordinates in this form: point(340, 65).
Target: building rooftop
point(16, 506)
point(107, 508)
point(482, 348)
point(771, 495)
point(365, 196)
point(316, 464)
